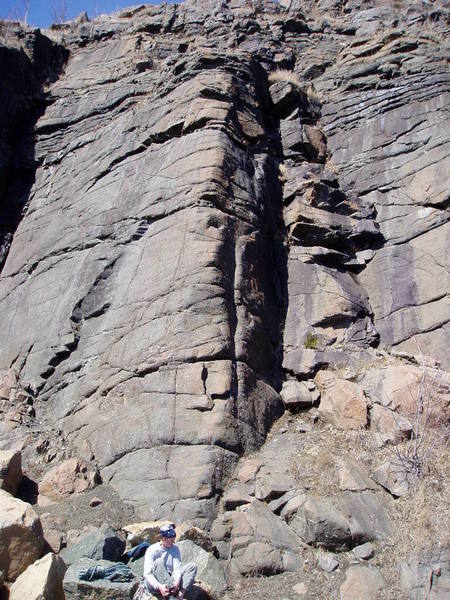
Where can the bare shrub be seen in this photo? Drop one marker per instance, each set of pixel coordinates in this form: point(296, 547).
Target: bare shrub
point(19, 12)
point(58, 11)
point(428, 412)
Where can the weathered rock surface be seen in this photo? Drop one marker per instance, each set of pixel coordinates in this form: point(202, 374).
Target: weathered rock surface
point(102, 544)
point(340, 523)
point(43, 580)
point(362, 583)
point(10, 470)
point(342, 402)
point(70, 477)
point(261, 542)
point(394, 476)
point(426, 576)
point(21, 538)
point(98, 589)
point(177, 144)
point(202, 207)
point(209, 570)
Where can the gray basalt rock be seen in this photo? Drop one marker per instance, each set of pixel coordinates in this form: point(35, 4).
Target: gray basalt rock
point(261, 542)
point(362, 583)
point(209, 570)
point(341, 523)
point(103, 544)
point(98, 589)
point(328, 562)
point(427, 575)
point(296, 395)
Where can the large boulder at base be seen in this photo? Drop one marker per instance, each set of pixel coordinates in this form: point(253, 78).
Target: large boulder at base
point(21, 537)
point(103, 543)
point(261, 542)
point(342, 402)
point(396, 387)
point(209, 569)
point(99, 589)
point(362, 583)
point(10, 470)
point(427, 576)
point(343, 522)
point(43, 580)
point(70, 477)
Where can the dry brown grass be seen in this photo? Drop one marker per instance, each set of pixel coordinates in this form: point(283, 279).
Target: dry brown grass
point(285, 75)
point(313, 94)
point(282, 172)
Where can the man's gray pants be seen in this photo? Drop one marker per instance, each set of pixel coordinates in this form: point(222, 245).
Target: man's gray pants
point(188, 573)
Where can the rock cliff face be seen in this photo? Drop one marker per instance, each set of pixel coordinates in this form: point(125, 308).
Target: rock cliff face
point(203, 201)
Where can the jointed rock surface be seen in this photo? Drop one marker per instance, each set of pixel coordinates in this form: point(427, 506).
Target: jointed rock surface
point(212, 213)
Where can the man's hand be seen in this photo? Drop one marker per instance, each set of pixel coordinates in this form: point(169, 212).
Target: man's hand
point(163, 590)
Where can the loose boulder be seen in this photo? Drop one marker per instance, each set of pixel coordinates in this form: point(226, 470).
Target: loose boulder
point(102, 544)
point(391, 426)
point(328, 562)
point(426, 576)
point(396, 387)
point(188, 531)
point(394, 477)
point(297, 396)
point(343, 522)
point(70, 477)
point(10, 470)
point(8, 383)
point(354, 478)
point(262, 543)
point(97, 589)
point(43, 580)
point(21, 537)
point(342, 403)
point(362, 583)
point(210, 571)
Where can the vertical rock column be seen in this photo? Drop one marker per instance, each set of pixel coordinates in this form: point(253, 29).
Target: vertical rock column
point(328, 317)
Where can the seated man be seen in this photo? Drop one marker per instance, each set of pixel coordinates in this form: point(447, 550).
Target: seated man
point(164, 574)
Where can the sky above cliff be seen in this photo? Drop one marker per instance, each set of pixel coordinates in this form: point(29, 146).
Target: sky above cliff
point(41, 13)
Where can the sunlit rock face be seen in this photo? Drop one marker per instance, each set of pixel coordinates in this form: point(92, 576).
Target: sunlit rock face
point(201, 200)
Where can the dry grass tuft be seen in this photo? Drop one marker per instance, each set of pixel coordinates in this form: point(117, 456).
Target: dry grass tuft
point(286, 76)
point(313, 94)
point(282, 172)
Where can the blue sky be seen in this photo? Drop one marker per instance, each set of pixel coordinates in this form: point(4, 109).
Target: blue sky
point(41, 12)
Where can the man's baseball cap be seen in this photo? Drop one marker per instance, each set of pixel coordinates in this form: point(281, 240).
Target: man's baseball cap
point(167, 531)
